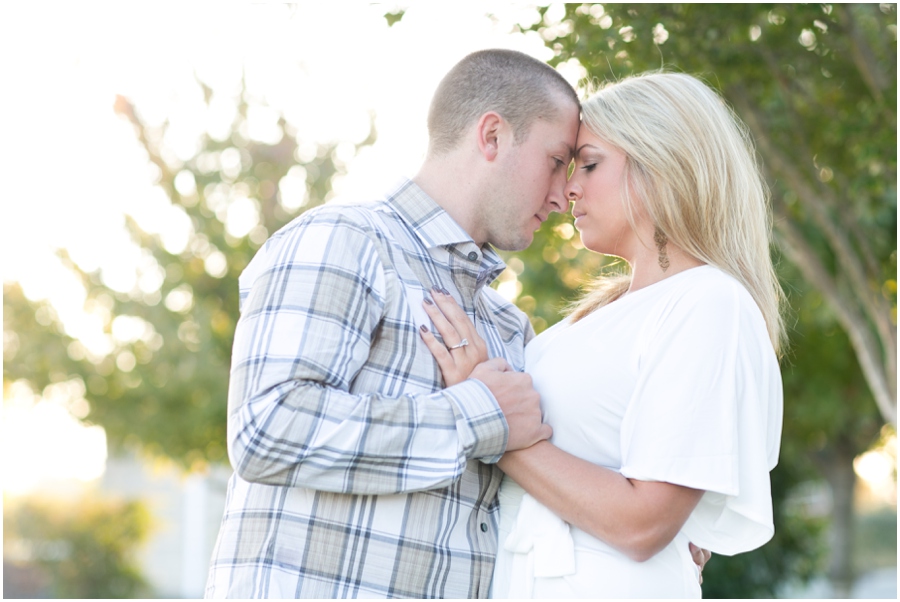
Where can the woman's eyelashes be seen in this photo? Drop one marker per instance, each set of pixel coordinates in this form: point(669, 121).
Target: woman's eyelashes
point(591, 161)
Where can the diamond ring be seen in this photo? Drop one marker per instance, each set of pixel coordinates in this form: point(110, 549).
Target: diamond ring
point(462, 343)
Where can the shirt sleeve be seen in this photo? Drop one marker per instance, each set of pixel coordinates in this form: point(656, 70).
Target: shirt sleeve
point(706, 413)
point(313, 303)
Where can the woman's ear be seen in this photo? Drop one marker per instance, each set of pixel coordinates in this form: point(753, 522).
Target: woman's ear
point(488, 131)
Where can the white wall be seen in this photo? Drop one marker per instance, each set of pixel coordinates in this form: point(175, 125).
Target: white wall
point(186, 510)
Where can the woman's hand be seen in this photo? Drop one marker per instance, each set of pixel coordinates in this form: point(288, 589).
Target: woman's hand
point(463, 348)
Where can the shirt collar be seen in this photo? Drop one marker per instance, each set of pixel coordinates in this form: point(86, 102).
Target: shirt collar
point(432, 224)
point(425, 217)
point(436, 229)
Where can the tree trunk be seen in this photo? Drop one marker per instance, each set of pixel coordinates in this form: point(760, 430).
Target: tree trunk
point(837, 467)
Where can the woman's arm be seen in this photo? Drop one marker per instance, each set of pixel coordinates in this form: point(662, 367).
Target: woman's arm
point(638, 518)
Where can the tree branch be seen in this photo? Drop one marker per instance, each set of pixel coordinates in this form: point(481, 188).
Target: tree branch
point(848, 258)
point(863, 56)
point(123, 107)
point(851, 224)
point(843, 215)
point(791, 241)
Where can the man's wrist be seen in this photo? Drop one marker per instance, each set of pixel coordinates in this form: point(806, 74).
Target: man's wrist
point(482, 428)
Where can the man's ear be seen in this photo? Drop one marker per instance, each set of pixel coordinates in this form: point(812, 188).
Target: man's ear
point(490, 126)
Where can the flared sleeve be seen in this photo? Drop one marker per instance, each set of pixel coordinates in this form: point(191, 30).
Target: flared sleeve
point(707, 409)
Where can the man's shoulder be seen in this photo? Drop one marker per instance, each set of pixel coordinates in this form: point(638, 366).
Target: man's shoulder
point(334, 233)
point(354, 215)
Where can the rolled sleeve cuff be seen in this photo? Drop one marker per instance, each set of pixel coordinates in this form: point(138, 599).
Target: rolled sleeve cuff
point(483, 432)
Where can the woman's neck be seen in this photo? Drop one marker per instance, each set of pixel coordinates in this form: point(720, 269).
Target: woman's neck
point(648, 268)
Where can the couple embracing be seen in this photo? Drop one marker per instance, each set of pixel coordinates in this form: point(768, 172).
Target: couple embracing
point(396, 428)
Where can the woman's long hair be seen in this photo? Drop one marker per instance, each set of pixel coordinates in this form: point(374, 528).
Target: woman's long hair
point(692, 163)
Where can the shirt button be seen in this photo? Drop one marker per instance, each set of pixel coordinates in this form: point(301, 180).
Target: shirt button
point(484, 527)
point(473, 256)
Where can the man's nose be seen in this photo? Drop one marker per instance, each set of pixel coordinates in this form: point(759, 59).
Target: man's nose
point(557, 197)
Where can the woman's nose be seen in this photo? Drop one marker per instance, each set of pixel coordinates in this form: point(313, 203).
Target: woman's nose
point(572, 191)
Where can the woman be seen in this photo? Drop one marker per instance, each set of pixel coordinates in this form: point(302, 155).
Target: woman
point(662, 386)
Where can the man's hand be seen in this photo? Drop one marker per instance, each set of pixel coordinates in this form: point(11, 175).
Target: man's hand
point(520, 403)
point(701, 557)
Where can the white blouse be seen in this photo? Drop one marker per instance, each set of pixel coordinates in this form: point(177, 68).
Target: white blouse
point(675, 382)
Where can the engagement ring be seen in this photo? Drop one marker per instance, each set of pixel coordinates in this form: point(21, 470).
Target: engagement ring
point(462, 343)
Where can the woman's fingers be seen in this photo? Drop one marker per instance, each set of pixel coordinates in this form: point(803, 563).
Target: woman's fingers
point(454, 325)
point(454, 368)
point(462, 348)
point(448, 332)
point(453, 312)
point(438, 350)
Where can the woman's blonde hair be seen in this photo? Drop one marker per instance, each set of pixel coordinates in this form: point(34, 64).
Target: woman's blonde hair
point(692, 163)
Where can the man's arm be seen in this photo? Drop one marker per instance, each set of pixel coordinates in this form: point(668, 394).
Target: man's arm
point(305, 333)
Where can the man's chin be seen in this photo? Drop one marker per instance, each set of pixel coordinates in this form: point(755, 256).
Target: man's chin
point(519, 244)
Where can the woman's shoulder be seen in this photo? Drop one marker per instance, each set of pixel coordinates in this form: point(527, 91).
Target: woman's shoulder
point(707, 279)
point(711, 288)
point(719, 305)
point(706, 301)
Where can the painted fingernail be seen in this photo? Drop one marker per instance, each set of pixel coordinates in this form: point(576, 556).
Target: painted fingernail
point(428, 301)
point(445, 291)
point(423, 328)
point(436, 288)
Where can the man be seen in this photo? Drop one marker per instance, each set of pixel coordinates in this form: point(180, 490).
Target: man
point(356, 473)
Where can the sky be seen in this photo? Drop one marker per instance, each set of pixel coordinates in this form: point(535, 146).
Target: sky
point(73, 168)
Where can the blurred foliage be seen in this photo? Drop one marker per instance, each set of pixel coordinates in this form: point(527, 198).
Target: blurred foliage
point(816, 84)
point(163, 388)
point(34, 344)
point(827, 399)
point(85, 548)
point(394, 17)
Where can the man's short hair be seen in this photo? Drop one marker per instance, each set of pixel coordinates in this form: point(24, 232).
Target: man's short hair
point(518, 87)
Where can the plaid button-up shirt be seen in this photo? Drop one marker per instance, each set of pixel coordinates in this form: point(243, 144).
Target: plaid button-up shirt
point(356, 474)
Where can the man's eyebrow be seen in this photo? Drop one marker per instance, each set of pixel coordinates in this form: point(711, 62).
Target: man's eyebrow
point(569, 150)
